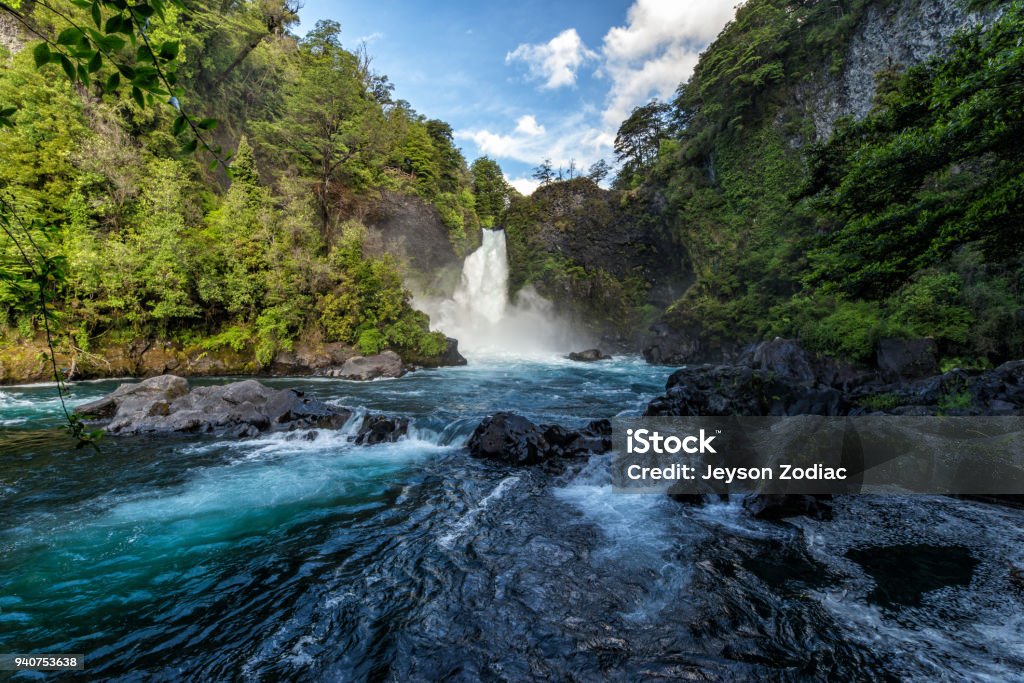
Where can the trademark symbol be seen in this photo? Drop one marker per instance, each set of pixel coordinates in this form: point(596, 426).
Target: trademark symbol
point(718, 431)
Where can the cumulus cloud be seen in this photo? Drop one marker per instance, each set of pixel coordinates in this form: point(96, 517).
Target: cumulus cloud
point(569, 140)
point(656, 50)
point(556, 61)
point(525, 186)
point(527, 125)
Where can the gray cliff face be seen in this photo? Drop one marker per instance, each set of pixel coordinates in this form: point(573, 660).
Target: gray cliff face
point(412, 232)
point(896, 34)
point(11, 37)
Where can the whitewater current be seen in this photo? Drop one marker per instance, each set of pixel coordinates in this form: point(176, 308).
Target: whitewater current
point(300, 556)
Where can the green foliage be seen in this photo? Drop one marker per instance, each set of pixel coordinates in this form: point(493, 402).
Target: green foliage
point(938, 164)
point(138, 241)
point(905, 223)
point(490, 190)
point(638, 140)
point(931, 306)
point(886, 401)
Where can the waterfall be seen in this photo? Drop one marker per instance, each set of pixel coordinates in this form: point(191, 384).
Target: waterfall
point(482, 294)
point(480, 315)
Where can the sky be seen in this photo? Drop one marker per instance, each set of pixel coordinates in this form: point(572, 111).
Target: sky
point(531, 80)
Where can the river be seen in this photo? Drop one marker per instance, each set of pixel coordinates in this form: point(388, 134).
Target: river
point(302, 557)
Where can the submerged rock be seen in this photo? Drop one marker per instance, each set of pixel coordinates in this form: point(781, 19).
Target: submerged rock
point(165, 404)
point(513, 439)
point(781, 506)
point(363, 368)
point(588, 356)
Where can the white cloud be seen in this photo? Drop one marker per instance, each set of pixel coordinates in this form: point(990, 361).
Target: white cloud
point(556, 61)
point(371, 38)
point(656, 50)
point(572, 139)
point(527, 125)
point(525, 186)
point(649, 56)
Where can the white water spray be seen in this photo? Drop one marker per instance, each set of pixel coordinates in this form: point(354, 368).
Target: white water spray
point(480, 315)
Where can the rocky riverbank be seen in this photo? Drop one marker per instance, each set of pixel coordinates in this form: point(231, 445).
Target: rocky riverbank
point(26, 362)
point(781, 378)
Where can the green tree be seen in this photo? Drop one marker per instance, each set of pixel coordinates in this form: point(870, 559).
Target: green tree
point(326, 128)
point(544, 172)
point(638, 140)
point(490, 189)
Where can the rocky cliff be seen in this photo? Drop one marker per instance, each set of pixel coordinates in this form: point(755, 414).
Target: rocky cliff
point(890, 36)
point(746, 185)
point(606, 260)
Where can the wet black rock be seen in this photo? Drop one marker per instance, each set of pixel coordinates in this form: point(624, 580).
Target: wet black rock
point(242, 409)
point(588, 356)
point(906, 358)
point(786, 359)
point(726, 390)
point(781, 506)
point(513, 439)
point(451, 355)
point(381, 429)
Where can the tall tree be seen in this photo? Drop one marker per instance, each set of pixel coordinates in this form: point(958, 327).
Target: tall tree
point(545, 173)
point(328, 119)
point(490, 189)
point(638, 138)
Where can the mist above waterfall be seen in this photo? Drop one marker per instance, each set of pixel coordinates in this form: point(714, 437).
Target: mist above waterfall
point(483, 318)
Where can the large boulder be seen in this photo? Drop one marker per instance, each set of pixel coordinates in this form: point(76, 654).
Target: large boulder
point(165, 404)
point(511, 438)
point(450, 358)
point(588, 356)
point(785, 359)
point(726, 390)
point(364, 368)
point(906, 358)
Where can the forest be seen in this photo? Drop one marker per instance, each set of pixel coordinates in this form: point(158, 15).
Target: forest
point(904, 223)
point(221, 207)
point(193, 172)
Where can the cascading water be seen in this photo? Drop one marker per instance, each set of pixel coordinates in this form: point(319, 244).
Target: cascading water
point(481, 316)
point(483, 293)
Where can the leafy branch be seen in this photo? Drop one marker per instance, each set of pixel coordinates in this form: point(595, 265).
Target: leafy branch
point(147, 72)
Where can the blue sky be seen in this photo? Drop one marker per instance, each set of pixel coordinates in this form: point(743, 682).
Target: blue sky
point(529, 80)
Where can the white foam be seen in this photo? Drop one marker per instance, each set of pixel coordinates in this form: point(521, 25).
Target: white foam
point(468, 520)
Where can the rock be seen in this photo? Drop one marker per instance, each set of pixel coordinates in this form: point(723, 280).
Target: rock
point(381, 429)
point(363, 368)
point(242, 409)
point(906, 358)
point(588, 356)
point(305, 358)
point(596, 437)
point(785, 359)
point(727, 390)
point(145, 396)
point(451, 356)
point(511, 438)
point(772, 506)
